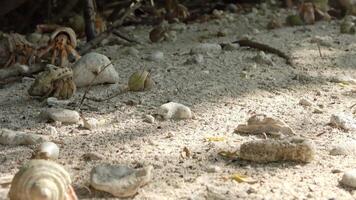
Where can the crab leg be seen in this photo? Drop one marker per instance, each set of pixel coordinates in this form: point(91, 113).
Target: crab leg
point(73, 52)
point(54, 56)
point(46, 50)
point(64, 58)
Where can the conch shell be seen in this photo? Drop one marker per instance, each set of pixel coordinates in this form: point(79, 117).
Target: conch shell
point(42, 180)
point(140, 81)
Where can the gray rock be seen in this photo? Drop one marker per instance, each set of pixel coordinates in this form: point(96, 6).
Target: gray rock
point(270, 150)
point(89, 66)
point(120, 181)
point(195, 59)
point(174, 110)
point(50, 130)
point(156, 56)
point(53, 101)
point(90, 123)
point(149, 119)
point(61, 115)
point(132, 51)
point(344, 121)
point(349, 178)
point(206, 48)
point(345, 148)
point(10, 137)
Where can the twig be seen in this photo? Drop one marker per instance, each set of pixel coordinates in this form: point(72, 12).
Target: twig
point(120, 35)
point(91, 84)
point(116, 24)
point(317, 43)
point(264, 47)
point(115, 94)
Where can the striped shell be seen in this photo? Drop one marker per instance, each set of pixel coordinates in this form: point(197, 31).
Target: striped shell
point(69, 32)
point(140, 81)
point(41, 180)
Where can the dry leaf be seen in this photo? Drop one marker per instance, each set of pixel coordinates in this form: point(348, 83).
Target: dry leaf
point(240, 178)
point(215, 139)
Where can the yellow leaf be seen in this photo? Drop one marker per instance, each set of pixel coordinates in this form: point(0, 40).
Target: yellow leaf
point(228, 154)
point(215, 139)
point(240, 178)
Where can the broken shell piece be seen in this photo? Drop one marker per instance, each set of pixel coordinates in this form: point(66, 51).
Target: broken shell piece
point(140, 81)
point(174, 110)
point(270, 150)
point(120, 181)
point(42, 180)
point(47, 151)
point(259, 124)
point(69, 32)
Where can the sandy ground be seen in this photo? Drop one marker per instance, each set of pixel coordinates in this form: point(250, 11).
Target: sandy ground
point(221, 96)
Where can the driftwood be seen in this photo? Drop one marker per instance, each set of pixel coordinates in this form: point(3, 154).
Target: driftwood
point(89, 45)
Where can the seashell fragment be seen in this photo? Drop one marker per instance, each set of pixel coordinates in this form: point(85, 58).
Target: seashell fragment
point(42, 180)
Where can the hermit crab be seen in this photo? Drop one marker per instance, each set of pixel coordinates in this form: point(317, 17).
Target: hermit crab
point(42, 180)
point(311, 11)
point(62, 43)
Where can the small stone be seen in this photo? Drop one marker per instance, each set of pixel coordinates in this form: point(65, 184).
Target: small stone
point(270, 150)
point(61, 115)
point(262, 58)
point(170, 36)
point(156, 56)
point(50, 130)
point(89, 66)
point(90, 123)
point(132, 51)
point(230, 46)
point(10, 137)
point(206, 48)
point(195, 59)
point(345, 79)
point(92, 156)
point(305, 102)
point(344, 148)
point(349, 178)
point(120, 181)
point(174, 110)
point(213, 169)
point(53, 101)
point(47, 151)
point(232, 8)
point(344, 121)
point(317, 111)
point(149, 119)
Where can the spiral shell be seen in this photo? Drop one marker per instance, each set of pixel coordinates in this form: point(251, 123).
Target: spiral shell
point(140, 81)
point(69, 32)
point(41, 180)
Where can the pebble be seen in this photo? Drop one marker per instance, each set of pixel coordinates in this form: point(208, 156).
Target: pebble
point(344, 148)
point(262, 58)
point(133, 51)
point(149, 119)
point(271, 150)
point(174, 110)
point(156, 56)
point(61, 115)
point(213, 169)
point(87, 68)
point(118, 180)
point(50, 130)
point(10, 137)
point(317, 111)
point(349, 178)
point(92, 156)
point(206, 48)
point(344, 121)
point(262, 123)
point(195, 59)
point(90, 123)
point(53, 101)
point(47, 151)
point(305, 102)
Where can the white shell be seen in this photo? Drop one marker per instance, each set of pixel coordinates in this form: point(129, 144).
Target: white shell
point(41, 180)
point(47, 150)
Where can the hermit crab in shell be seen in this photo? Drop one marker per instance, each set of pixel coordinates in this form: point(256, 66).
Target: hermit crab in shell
point(62, 43)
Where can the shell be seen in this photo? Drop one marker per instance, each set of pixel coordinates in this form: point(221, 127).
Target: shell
point(66, 30)
point(47, 150)
point(140, 81)
point(41, 180)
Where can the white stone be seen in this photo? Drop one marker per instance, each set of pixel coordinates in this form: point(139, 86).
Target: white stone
point(344, 148)
point(120, 181)
point(305, 102)
point(87, 68)
point(213, 169)
point(344, 121)
point(149, 119)
point(61, 115)
point(206, 48)
point(132, 51)
point(349, 178)
point(10, 137)
point(53, 101)
point(90, 123)
point(174, 110)
point(47, 150)
point(156, 56)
